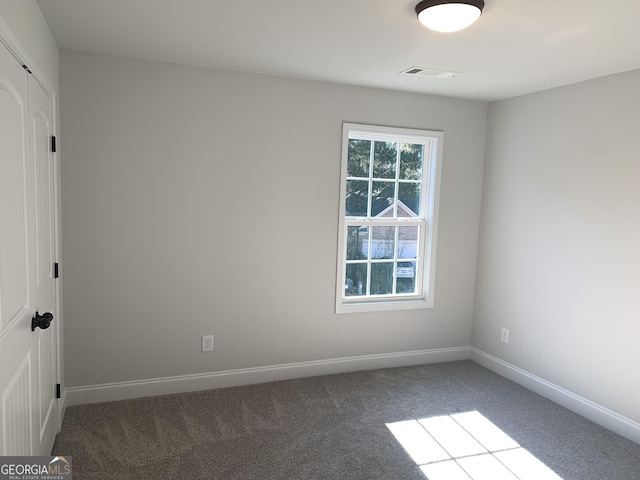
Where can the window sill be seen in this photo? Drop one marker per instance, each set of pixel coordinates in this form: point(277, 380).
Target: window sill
point(383, 306)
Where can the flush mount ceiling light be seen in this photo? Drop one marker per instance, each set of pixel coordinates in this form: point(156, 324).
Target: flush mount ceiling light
point(449, 15)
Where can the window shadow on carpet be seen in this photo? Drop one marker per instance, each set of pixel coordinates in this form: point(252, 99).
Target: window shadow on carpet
point(467, 446)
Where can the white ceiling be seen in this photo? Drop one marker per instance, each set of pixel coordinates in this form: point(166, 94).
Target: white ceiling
point(516, 47)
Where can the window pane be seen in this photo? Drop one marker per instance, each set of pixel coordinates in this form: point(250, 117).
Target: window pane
point(411, 156)
point(384, 159)
point(406, 277)
point(358, 158)
point(381, 278)
point(409, 195)
point(356, 201)
point(357, 243)
point(383, 243)
point(408, 242)
point(383, 196)
point(355, 283)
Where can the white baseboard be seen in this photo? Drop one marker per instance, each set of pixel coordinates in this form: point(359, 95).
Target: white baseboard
point(602, 416)
point(246, 376)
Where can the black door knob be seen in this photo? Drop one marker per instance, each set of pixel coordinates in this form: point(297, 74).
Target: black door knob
point(43, 321)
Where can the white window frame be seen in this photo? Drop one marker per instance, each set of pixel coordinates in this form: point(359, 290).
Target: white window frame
point(428, 220)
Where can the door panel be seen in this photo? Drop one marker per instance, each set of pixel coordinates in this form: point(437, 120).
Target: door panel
point(13, 152)
point(43, 165)
point(43, 285)
point(46, 388)
point(28, 419)
point(16, 373)
point(16, 412)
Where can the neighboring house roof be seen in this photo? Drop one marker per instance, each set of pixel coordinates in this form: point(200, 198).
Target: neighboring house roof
point(358, 203)
point(403, 211)
point(380, 233)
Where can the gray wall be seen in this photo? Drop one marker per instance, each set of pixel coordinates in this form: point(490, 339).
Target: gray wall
point(559, 256)
point(26, 22)
point(193, 199)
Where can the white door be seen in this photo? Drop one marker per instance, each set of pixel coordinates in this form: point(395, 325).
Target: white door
point(43, 286)
point(28, 420)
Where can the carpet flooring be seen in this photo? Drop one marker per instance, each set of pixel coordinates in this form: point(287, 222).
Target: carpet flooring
point(328, 427)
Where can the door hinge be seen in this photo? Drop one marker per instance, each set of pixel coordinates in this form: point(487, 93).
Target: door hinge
point(58, 390)
point(56, 271)
point(53, 143)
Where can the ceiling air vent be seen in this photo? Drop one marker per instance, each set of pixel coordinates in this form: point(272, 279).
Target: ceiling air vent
point(429, 72)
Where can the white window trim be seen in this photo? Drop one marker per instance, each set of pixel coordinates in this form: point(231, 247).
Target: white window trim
point(432, 171)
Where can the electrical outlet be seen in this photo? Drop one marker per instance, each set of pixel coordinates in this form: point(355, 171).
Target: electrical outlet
point(504, 336)
point(207, 343)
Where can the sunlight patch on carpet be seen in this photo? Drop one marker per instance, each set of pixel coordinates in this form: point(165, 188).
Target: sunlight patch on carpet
point(467, 446)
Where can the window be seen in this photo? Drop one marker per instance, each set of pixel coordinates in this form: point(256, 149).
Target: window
point(388, 212)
